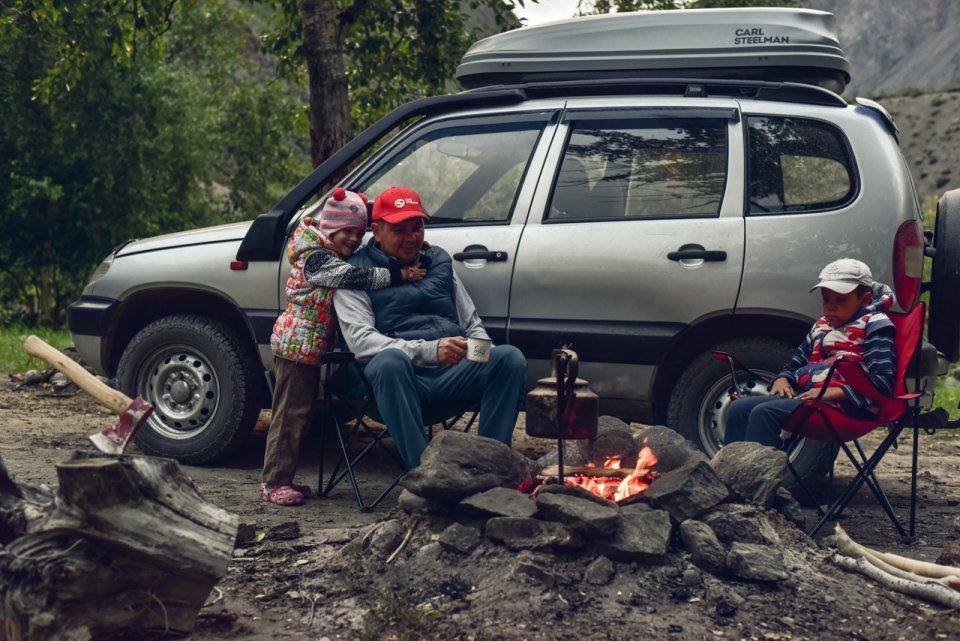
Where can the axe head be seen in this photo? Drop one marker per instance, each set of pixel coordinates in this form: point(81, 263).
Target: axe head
point(113, 439)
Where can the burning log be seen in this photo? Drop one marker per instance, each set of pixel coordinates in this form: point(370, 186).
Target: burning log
point(929, 581)
point(128, 548)
point(611, 481)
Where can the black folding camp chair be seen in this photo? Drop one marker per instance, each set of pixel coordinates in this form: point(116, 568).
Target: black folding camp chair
point(345, 416)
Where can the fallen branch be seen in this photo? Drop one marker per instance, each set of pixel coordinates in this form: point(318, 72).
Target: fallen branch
point(929, 591)
point(406, 539)
point(902, 567)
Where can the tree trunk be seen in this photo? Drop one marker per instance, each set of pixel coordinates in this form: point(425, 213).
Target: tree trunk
point(323, 45)
point(129, 549)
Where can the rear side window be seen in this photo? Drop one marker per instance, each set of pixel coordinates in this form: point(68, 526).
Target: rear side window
point(643, 168)
point(798, 165)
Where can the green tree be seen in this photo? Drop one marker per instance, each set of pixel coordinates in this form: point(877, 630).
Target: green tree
point(589, 7)
point(128, 118)
point(363, 57)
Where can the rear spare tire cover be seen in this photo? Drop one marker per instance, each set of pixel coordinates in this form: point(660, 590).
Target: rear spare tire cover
point(944, 321)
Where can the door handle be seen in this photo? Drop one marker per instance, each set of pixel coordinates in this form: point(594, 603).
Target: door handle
point(713, 255)
point(494, 256)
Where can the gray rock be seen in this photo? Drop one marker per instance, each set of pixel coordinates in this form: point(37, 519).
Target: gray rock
point(643, 537)
point(691, 578)
point(614, 438)
point(33, 377)
point(383, 539)
point(456, 465)
point(705, 549)
point(785, 504)
point(751, 470)
point(60, 383)
point(574, 490)
point(671, 449)
point(414, 504)
point(498, 501)
point(687, 492)
point(529, 568)
point(532, 534)
point(286, 531)
point(600, 571)
point(744, 523)
point(429, 552)
point(459, 538)
point(756, 562)
point(584, 516)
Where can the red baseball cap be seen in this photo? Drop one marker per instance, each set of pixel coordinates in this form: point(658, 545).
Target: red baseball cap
point(397, 204)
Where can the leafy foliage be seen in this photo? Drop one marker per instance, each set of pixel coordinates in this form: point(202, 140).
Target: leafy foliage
point(588, 7)
point(128, 118)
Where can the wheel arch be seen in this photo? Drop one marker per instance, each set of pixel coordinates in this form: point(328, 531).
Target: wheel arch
point(710, 331)
point(143, 307)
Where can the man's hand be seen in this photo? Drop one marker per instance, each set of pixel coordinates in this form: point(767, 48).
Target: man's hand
point(451, 351)
point(413, 274)
point(832, 394)
point(782, 387)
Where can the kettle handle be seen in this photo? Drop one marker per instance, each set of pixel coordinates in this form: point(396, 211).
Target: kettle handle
point(567, 368)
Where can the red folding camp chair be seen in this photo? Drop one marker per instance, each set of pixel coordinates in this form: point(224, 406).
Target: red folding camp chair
point(821, 421)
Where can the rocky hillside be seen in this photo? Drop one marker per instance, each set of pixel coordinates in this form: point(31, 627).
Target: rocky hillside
point(929, 132)
point(896, 45)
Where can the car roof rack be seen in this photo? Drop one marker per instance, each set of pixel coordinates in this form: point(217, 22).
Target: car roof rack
point(772, 44)
point(687, 87)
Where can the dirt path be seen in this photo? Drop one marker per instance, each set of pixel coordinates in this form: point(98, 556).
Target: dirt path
point(37, 431)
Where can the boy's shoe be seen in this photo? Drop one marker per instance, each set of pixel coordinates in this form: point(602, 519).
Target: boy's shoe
point(281, 495)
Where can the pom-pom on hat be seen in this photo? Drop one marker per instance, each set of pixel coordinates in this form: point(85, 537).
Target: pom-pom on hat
point(343, 210)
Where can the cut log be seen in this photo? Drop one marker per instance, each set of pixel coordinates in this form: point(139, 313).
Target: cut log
point(933, 592)
point(573, 470)
point(128, 549)
point(903, 567)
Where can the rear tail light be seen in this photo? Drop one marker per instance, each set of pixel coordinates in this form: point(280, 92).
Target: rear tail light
point(908, 263)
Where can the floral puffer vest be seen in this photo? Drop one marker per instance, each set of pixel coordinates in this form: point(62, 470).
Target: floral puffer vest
point(307, 328)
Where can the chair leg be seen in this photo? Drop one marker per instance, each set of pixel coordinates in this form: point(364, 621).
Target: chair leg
point(871, 482)
point(792, 445)
point(913, 479)
point(470, 423)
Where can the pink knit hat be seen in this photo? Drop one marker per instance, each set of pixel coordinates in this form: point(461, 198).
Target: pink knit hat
point(343, 210)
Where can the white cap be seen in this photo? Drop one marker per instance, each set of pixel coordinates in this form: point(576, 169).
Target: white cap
point(844, 275)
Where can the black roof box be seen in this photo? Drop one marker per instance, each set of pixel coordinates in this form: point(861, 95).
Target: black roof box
point(794, 45)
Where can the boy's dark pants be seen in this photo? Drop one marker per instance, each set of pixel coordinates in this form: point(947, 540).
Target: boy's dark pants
point(294, 400)
point(758, 419)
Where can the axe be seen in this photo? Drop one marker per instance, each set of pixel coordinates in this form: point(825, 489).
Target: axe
point(132, 413)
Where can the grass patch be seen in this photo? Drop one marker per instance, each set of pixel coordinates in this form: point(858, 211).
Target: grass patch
point(395, 617)
point(12, 356)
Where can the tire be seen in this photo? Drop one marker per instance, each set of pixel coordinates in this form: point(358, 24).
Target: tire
point(204, 381)
point(944, 319)
point(699, 401)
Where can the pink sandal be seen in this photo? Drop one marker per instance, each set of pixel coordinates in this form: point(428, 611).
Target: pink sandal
point(303, 489)
point(281, 495)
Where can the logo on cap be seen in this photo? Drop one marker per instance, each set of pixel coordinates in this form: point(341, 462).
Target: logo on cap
point(399, 202)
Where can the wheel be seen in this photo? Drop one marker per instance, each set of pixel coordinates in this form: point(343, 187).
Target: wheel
point(944, 318)
point(700, 399)
point(204, 382)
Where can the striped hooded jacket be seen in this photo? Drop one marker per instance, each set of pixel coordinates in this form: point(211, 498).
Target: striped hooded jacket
point(867, 338)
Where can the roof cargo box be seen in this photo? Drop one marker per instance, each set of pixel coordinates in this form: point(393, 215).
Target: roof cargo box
point(795, 45)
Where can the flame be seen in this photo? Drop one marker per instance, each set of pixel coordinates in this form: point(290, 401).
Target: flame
point(614, 488)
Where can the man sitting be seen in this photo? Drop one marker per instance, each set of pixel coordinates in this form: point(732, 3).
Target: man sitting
point(412, 338)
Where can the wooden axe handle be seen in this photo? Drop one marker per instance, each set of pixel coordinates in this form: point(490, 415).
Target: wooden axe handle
point(102, 393)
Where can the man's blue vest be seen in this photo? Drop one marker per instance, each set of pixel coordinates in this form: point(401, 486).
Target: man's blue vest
point(421, 310)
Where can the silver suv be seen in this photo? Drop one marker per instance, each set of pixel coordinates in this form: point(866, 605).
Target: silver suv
point(643, 220)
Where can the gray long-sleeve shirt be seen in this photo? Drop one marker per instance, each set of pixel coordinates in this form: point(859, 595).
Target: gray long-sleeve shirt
point(356, 317)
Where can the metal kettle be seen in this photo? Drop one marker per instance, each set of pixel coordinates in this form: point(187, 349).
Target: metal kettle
point(562, 406)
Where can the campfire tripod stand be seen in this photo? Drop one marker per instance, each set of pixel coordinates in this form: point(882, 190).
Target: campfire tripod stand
point(562, 406)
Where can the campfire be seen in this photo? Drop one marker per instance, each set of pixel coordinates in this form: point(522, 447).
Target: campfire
point(611, 481)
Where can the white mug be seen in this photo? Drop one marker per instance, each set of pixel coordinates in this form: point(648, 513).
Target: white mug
point(478, 350)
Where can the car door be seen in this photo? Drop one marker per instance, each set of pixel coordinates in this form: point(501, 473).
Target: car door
point(638, 235)
point(476, 177)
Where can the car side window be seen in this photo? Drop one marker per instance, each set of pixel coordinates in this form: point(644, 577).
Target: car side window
point(465, 173)
point(798, 165)
point(641, 168)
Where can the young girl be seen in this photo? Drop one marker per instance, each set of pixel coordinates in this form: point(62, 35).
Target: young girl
point(307, 329)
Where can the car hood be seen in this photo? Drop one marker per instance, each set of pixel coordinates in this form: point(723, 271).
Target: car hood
point(217, 234)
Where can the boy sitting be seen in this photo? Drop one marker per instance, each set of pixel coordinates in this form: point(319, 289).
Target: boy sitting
point(854, 325)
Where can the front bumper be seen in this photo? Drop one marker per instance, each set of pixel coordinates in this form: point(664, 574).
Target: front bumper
point(89, 320)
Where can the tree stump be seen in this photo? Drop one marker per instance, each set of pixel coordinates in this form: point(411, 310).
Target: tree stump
point(127, 549)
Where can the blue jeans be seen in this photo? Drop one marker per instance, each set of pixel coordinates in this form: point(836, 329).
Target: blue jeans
point(758, 419)
point(401, 389)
